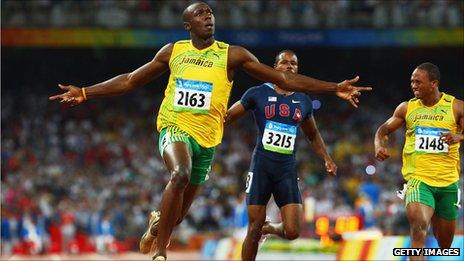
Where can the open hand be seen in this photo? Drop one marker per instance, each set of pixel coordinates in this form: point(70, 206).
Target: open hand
point(73, 95)
point(351, 93)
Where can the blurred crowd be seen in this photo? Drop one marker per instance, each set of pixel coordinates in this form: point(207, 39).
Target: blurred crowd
point(235, 14)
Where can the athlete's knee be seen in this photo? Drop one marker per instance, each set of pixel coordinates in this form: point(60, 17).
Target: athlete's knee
point(292, 233)
point(180, 176)
point(418, 225)
point(419, 230)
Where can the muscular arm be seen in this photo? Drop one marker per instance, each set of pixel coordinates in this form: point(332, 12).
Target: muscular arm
point(127, 82)
point(240, 58)
point(235, 112)
point(393, 123)
point(311, 132)
point(122, 83)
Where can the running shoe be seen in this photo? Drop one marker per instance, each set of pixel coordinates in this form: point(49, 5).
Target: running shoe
point(149, 236)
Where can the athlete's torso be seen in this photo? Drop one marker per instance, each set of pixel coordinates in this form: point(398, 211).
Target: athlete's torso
point(198, 92)
point(277, 117)
point(425, 156)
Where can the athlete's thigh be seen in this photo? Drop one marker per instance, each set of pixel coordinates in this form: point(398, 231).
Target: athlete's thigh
point(175, 148)
point(177, 156)
point(285, 185)
point(291, 216)
point(419, 214)
point(447, 202)
point(258, 184)
point(420, 203)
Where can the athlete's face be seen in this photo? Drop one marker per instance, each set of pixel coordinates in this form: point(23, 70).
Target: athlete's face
point(200, 20)
point(287, 62)
point(421, 84)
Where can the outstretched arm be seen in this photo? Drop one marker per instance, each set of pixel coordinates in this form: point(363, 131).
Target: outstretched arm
point(381, 135)
point(120, 84)
point(239, 57)
point(311, 132)
point(235, 112)
point(458, 110)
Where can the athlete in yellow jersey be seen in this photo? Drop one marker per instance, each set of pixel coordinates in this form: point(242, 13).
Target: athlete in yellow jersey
point(431, 162)
point(190, 119)
point(191, 102)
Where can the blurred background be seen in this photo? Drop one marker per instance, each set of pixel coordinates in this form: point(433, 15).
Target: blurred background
point(84, 179)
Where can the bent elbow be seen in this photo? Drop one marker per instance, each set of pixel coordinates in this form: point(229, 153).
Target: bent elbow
point(129, 84)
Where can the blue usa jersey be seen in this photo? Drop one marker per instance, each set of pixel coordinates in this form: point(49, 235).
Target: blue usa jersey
point(278, 118)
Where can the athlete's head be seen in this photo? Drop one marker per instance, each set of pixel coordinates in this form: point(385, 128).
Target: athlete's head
point(286, 60)
point(199, 20)
point(425, 80)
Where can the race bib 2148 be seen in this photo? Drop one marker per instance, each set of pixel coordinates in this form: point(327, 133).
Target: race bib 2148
point(428, 140)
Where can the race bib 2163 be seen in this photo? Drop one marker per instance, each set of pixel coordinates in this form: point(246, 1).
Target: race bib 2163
point(192, 96)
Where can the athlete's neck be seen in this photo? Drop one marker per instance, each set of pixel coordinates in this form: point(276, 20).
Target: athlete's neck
point(432, 99)
point(200, 43)
point(281, 91)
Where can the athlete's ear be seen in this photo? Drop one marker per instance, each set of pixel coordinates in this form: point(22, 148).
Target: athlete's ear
point(435, 83)
point(187, 26)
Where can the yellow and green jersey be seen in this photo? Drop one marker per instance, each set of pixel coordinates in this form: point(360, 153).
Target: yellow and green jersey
point(425, 156)
point(198, 92)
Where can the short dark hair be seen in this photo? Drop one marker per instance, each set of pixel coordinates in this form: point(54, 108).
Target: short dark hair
point(431, 69)
point(281, 52)
point(185, 14)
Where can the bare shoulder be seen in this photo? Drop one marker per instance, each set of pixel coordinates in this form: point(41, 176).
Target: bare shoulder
point(164, 54)
point(236, 49)
point(401, 110)
point(240, 54)
point(403, 105)
point(458, 102)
